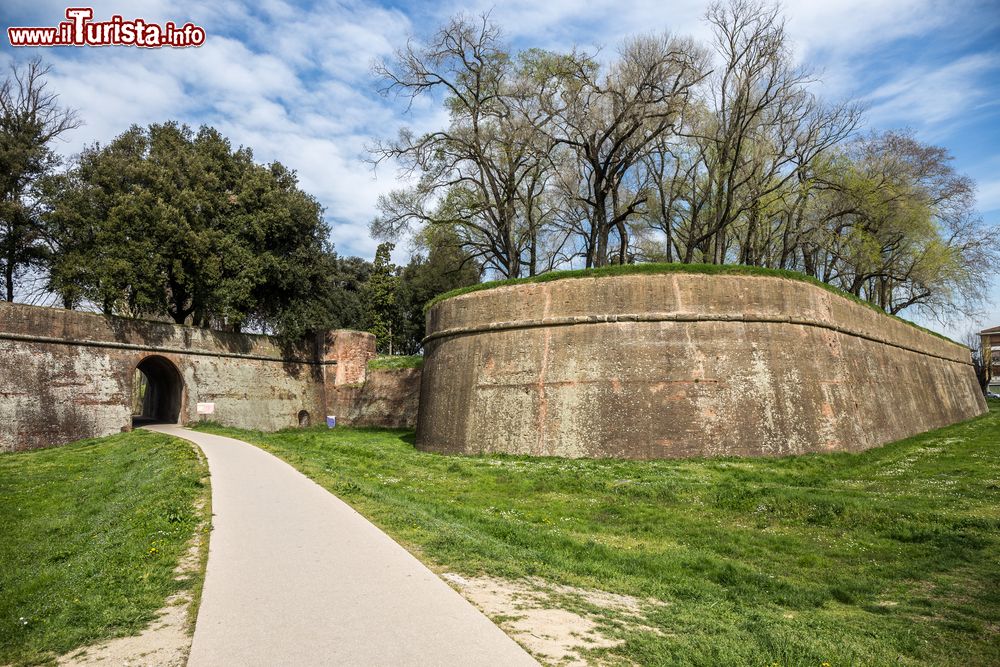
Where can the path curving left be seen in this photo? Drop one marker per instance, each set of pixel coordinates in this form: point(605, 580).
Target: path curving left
point(297, 577)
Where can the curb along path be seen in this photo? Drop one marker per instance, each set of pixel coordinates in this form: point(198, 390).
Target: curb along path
point(297, 577)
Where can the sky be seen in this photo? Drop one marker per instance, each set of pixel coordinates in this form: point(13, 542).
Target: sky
point(292, 81)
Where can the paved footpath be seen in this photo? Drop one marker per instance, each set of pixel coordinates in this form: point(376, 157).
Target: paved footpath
point(297, 577)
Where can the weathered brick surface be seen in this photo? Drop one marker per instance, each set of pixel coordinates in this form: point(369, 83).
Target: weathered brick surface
point(349, 351)
point(652, 366)
point(387, 398)
point(66, 375)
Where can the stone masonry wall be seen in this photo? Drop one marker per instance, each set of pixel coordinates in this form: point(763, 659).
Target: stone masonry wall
point(385, 397)
point(67, 375)
point(652, 366)
point(359, 396)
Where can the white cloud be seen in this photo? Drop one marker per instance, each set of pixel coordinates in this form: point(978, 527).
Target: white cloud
point(113, 92)
point(293, 83)
point(988, 195)
point(929, 97)
point(845, 27)
point(850, 27)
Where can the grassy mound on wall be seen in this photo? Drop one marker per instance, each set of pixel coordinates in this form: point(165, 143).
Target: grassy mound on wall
point(663, 268)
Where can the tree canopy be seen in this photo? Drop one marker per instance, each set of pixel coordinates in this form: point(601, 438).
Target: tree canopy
point(167, 221)
point(667, 149)
point(394, 296)
point(672, 150)
point(31, 119)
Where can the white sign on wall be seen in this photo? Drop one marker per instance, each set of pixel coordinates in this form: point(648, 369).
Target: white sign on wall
point(206, 408)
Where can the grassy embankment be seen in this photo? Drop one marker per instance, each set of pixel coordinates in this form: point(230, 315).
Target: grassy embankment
point(891, 556)
point(395, 362)
point(91, 535)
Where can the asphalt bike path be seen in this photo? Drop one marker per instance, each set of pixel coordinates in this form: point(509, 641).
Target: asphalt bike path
point(297, 577)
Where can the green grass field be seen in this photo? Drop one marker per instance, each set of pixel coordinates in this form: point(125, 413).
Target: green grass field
point(91, 534)
point(891, 556)
point(395, 362)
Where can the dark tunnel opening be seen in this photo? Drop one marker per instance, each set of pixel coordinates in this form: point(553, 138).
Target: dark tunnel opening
point(156, 392)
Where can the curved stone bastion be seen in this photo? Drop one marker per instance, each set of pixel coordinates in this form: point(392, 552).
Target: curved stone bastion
point(666, 365)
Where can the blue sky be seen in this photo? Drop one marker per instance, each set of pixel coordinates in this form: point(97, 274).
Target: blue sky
point(291, 80)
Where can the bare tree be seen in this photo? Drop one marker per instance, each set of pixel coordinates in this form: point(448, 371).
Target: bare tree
point(30, 120)
point(980, 358)
point(553, 158)
point(610, 121)
point(761, 130)
point(483, 173)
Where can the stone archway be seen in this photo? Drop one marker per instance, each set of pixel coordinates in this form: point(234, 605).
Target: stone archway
point(157, 391)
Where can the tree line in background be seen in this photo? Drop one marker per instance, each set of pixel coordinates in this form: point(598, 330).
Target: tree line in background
point(680, 152)
point(172, 223)
point(668, 150)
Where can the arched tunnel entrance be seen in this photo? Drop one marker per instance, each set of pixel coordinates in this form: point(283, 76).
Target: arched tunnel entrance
point(156, 392)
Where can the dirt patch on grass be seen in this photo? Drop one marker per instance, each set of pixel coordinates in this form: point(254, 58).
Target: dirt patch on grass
point(166, 642)
point(559, 625)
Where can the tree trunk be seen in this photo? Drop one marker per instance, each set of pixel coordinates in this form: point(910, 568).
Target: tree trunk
point(600, 226)
point(9, 279)
point(533, 253)
point(623, 249)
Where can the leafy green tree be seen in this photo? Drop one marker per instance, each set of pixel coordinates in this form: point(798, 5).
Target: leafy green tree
point(30, 120)
point(348, 278)
point(441, 265)
point(380, 299)
point(165, 221)
point(897, 227)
